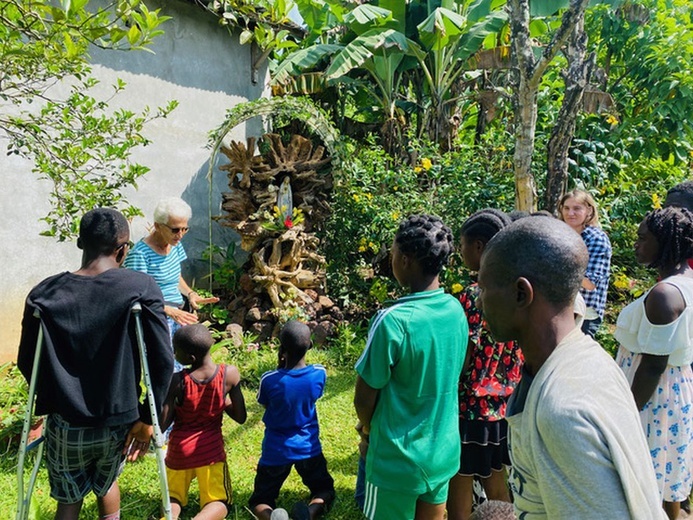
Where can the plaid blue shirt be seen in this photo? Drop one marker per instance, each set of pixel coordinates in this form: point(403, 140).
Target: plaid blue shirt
point(598, 267)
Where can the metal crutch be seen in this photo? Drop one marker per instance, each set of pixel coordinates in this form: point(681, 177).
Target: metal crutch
point(158, 436)
point(24, 497)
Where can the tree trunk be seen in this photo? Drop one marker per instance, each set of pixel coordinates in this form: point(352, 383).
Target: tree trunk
point(525, 105)
point(525, 189)
point(530, 71)
point(576, 79)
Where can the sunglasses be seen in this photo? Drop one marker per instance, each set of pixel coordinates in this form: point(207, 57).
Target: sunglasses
point(176, 230)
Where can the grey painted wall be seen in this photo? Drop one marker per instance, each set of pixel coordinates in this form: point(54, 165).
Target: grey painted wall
point(196, 62)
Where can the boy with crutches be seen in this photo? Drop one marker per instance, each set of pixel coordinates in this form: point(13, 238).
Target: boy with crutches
point(89, 376)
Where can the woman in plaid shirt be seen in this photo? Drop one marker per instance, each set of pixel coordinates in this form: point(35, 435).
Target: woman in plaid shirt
point(578, 209)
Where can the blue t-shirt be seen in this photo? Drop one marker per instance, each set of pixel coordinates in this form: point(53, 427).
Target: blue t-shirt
point(165, 269)
point(291, 420)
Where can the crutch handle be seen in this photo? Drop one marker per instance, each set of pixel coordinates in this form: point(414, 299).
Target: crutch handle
point(136, 308)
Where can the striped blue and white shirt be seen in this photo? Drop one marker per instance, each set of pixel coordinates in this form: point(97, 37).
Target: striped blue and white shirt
point(165, 269)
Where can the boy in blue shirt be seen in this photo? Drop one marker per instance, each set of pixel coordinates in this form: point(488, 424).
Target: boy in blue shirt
point(291, 431)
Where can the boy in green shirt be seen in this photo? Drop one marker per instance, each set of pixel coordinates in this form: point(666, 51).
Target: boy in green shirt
point(406, 390)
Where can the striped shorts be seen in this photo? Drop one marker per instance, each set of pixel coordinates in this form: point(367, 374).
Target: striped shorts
point(82, 459)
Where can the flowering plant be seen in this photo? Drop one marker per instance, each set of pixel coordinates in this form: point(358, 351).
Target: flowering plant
point(280, 221)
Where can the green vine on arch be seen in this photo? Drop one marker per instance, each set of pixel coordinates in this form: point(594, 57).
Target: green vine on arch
point(289, 107)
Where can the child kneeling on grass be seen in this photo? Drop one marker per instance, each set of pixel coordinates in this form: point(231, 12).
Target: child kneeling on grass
point(291, 431)
point(197, 399)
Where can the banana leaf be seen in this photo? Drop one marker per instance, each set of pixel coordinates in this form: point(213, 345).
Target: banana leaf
point(303, 60)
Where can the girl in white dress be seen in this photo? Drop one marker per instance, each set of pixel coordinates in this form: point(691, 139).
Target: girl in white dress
point(655, 333)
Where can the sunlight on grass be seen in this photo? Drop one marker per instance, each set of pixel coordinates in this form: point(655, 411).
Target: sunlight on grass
point(139, 482)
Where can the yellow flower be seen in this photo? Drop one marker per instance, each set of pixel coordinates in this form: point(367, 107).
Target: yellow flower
point(456, 287)
point(418, 169)
point(395, 215)
point(622, 282)
point(426, 164)
point(656, 201)
point(362, 249)
point(373, 247)
point(356, 197)
point(369, 196)
point(610, 119)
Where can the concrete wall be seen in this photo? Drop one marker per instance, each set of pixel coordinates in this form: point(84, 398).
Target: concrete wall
point(196, 62)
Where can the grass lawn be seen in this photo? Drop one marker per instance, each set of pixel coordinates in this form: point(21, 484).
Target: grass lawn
point(139, 483)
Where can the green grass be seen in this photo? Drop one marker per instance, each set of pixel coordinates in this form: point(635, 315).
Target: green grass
point(139, 482)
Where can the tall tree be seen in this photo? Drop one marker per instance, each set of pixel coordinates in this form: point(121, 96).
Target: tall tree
point(530, 70)
point(576, 77)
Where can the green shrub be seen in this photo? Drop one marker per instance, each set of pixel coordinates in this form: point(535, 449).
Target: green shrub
point(373, 194)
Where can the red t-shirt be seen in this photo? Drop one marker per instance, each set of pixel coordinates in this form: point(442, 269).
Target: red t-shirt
point(196, 438)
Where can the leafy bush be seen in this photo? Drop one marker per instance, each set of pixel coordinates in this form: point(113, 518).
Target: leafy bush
point(372, 195)
point(14, 394)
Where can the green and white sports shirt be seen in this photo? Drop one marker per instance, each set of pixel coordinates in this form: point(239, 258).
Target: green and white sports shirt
point(414, 355)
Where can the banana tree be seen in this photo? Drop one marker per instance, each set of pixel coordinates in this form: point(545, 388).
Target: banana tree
point(451, 38)
point(370, 62)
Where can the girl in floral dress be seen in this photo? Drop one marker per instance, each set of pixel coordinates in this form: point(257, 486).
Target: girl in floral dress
point(655, 333)
point(489, 376)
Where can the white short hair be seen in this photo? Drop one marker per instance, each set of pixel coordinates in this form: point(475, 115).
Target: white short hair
point(171, 207)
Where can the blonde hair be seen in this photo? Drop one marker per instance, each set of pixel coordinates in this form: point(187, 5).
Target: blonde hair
point(586, 199)
point(171, 207)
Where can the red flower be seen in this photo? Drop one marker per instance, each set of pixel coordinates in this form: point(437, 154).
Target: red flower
point(288, 223)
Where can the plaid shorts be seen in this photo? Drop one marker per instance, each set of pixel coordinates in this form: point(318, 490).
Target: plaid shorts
point(82, 459)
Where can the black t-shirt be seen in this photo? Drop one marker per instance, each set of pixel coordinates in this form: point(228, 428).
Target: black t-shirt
point(90, 369)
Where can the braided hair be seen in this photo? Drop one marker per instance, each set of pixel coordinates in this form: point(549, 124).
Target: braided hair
point(673, 229)
point(484, 224)
point(427, 239)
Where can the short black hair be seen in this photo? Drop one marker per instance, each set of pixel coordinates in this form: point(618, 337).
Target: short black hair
point(673, 229)
point(545, 251)
point(685, 191)
point(194, 339)
point(427, 239)
point(101, 229)
point(294, 339)
point(484, 224)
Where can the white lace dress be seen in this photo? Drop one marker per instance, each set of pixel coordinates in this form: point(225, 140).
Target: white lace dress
point(668, 417)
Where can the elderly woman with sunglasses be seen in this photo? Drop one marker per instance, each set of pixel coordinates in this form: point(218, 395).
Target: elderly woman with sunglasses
point(160, 254)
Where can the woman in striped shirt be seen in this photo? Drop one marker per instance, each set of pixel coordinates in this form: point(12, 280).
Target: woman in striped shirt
point(160, 254)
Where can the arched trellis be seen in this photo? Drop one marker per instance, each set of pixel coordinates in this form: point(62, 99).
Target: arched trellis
point(301, 109)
